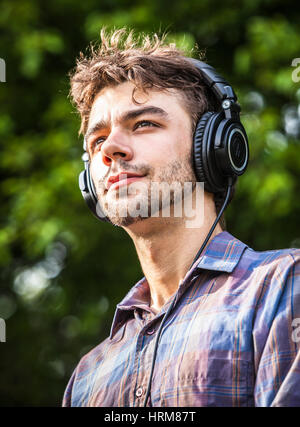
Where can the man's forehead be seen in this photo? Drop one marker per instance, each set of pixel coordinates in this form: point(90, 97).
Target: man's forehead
point(111, 102)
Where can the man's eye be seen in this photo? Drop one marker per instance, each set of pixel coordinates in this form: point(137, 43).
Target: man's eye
point(96, 144)
point(144, 123)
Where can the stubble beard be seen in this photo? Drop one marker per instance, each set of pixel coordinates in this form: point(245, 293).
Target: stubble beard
point(175, 175)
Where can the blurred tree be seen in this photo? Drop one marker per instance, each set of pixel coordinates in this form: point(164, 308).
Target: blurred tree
point(62, 272)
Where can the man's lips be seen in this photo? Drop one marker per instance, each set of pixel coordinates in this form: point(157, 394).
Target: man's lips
point(124, 178)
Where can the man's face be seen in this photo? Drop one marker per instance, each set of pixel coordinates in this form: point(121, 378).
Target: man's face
point(132, 145)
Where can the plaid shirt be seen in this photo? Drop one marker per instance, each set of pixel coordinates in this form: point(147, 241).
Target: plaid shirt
point(232, 339)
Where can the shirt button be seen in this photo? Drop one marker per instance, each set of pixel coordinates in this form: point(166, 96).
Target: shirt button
point(150, 331)
point(139, 392)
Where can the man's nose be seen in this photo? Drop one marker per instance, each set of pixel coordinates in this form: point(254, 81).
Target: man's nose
point(116, 146)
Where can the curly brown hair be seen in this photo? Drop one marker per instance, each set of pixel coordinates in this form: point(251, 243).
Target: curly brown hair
point(149, 63)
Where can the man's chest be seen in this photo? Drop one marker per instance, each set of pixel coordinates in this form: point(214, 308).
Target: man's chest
point(204, 358)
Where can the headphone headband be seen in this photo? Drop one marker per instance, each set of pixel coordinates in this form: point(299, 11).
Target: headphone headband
point(220, 87)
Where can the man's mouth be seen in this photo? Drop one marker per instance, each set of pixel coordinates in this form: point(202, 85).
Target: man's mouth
point(123, 178)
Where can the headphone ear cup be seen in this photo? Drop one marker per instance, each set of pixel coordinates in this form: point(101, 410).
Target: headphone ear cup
point(88, 192)
point(198, 147)
point(220, 151)
point(206, 168)
point(231, 148)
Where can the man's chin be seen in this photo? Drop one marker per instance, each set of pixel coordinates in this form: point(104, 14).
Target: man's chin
point(125, 221)
point(123, 213)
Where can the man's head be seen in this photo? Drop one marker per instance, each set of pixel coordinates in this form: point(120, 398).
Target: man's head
point(127, 76)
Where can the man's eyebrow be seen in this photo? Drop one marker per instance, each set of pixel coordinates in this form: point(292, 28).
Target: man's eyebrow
point(128, 115)
point(95, 128)
point(133, 114)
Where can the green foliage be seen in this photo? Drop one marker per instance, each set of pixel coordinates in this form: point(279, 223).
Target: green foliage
point(62, 272)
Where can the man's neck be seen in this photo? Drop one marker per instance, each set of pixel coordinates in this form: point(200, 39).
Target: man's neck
point(166, 250)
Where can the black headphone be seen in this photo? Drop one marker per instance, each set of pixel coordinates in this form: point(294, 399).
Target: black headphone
point(220, 146)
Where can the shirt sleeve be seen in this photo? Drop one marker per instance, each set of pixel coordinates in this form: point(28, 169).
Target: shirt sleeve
point(277, 360)
point(67, 398)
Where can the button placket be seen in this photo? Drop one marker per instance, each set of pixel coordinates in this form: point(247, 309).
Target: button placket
point(143, 357)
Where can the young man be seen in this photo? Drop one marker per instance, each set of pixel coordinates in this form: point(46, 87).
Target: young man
point(229, 337)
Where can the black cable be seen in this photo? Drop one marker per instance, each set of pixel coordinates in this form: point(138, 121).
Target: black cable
point(155, 348)
point(171, 306)
point(230, 182)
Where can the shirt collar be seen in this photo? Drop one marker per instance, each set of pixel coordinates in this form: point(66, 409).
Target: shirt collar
point(223, 253)
point(137, 297)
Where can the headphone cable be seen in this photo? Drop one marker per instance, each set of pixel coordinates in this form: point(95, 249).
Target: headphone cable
point(171, 306)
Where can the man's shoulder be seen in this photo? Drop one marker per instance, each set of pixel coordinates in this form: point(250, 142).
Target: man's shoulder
point(93, 356)
point(229, 254)
point(273, 272)
point(272, 257)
